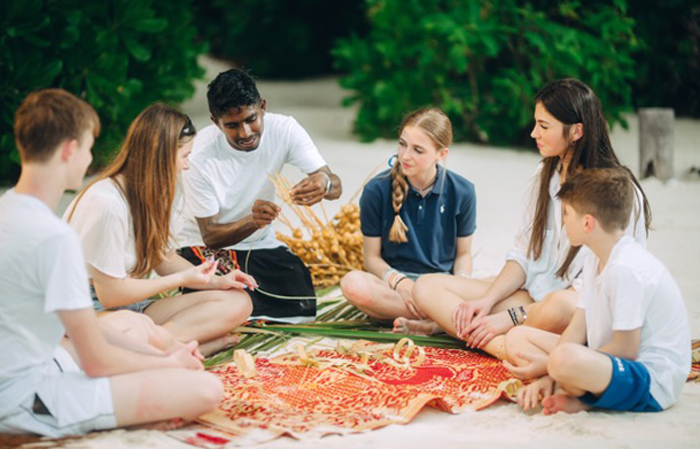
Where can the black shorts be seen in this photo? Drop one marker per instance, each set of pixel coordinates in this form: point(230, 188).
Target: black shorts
point(277, 271)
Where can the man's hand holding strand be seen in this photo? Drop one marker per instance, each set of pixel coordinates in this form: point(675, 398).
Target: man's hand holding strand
point(264, 212)
point(310, 190)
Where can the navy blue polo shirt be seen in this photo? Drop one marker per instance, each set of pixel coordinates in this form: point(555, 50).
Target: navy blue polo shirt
point(434, 222)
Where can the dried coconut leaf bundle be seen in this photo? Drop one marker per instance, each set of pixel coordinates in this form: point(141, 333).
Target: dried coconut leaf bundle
point(330, 248)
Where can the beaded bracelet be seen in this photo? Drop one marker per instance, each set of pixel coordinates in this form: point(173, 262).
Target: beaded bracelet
point(513, 317)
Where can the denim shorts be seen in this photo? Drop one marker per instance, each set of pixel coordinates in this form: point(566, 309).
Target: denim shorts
point(414, 276)
point(628, 390)
point(137, 307)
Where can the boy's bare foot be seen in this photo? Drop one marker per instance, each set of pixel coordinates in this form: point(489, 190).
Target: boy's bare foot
point(563, 403)
point(221, 343)
point(415, 327)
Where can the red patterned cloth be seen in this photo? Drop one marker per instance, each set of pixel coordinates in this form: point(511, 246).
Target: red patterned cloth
point(694, 372)
point(305, 401)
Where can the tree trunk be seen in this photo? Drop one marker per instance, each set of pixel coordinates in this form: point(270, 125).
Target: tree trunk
point(656, 143)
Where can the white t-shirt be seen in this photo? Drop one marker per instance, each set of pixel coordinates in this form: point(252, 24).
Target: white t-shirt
point(103, 222)
point(541, 274)
point(225, 181)
point(41, 271)
point(635, 290)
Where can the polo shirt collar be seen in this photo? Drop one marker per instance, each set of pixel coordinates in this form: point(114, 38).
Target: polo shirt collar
point(438, 182)
point(436, 187)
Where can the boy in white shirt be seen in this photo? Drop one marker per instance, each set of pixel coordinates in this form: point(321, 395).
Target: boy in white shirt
point(230, 200)
point(114, 379)
point(628, 346)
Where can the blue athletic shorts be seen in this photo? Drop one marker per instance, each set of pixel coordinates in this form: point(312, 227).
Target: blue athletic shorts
point(628, 390)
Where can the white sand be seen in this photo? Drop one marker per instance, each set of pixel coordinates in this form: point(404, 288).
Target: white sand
point(500, 176)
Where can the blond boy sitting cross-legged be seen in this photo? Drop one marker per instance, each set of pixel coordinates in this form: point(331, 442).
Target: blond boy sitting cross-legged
point(627, 347)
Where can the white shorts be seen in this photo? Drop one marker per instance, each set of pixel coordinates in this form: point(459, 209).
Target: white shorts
point(67, 402)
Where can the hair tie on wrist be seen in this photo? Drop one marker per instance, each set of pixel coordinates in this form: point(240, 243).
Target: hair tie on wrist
point(403, 277)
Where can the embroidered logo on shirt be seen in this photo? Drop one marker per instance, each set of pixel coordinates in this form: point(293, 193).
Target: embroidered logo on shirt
point(620, 366)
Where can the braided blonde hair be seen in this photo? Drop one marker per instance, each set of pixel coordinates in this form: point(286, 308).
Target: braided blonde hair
point(437, 126)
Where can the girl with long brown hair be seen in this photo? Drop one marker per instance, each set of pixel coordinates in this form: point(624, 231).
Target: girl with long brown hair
point(416, 218)
point(123, 218)
point(538, 285)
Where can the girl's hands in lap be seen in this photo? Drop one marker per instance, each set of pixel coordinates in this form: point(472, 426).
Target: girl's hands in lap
point(466, 313)
point(483, 329)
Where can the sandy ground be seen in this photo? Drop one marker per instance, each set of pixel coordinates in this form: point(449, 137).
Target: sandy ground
point(500, 175)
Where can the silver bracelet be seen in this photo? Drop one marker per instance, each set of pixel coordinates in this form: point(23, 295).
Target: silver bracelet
point(387, 273)
point(329, 183)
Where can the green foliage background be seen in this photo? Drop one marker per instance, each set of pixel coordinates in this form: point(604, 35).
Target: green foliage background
point(668, 63)
point(119, 55)
point(483, 61)
point(279, 38)
point(480, 60)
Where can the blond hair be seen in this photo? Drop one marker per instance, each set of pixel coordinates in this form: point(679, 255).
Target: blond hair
point(437, 126)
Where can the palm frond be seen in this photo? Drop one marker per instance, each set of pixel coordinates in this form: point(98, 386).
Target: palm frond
point(336, 319)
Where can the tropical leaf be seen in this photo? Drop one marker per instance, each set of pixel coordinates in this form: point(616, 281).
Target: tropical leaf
point(339, 319)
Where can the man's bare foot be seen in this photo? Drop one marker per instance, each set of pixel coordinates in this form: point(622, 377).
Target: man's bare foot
point(221, 343)
point(563, 403)
point(415, 327)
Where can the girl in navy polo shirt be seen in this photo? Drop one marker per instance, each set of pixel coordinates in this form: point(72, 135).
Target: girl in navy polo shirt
point(416, 218)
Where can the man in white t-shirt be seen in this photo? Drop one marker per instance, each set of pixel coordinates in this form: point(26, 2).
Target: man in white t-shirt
point(230, 200)
point(627, 347)
point(44, 295)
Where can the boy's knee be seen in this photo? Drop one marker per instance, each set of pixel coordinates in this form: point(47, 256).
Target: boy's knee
point(564, 361)
point(213, 390)
point(209, 393)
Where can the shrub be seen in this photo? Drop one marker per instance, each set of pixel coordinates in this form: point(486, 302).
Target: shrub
point(278, 38)
point(119, 55)
point(669, 61)
point(483, 61)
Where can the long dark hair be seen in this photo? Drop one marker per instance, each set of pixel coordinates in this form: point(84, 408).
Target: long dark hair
point(570, 101)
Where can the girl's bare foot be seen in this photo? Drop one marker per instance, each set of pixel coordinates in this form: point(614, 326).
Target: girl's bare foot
point(415, 327)
point(563, 403)
point(221, 343)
